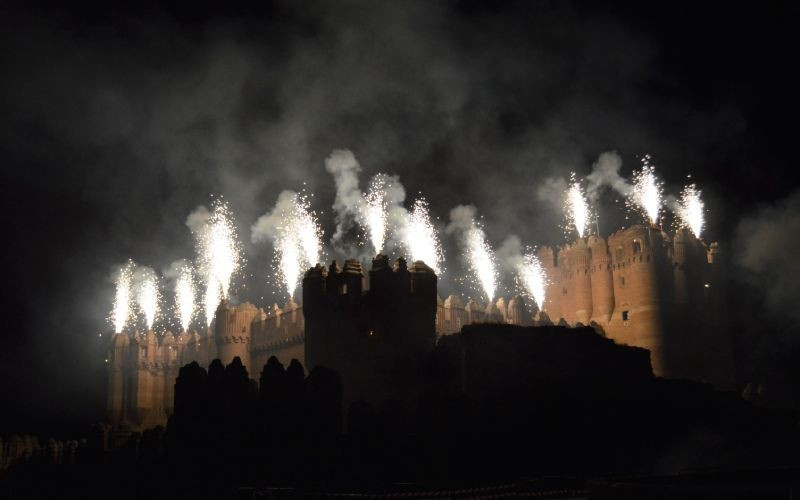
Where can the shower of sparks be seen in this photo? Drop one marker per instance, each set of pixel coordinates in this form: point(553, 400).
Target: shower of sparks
point(646, 195)
point(297, 242)
point(690, 210)
point(577, 208)
point(532, 277)
point(421, 239)
point(185, 297)
point(310, 232)
point(220, 257)
point(122, 298)
point(148, 296)
point(481, 260)
point(375, 211)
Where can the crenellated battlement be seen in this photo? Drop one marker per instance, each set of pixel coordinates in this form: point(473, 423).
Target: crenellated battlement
point(640, 286)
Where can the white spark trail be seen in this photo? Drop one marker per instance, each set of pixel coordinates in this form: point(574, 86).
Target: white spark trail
point(220, 256)
point(533, 278)
point(481, 260)
point(577, 208)
point(646, 196)
point(185, 293)
point(148, 296)
point(122, 309)
point(375, 211)
point(691, 210)
point(421, 239)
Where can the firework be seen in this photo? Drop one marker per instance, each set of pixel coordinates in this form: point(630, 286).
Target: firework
point(481, 260)
point(690, 210)
point(148, 295)
point(220, 256)
point(646, 196)
point(421, 239)
point(185, 296)
point(375, 211)
point(531, 275)
point(297, 241)
point(577, 208)
point(122, 298)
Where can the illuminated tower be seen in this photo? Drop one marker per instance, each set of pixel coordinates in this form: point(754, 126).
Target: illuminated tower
point(117, 370)
point(602, 281)
point(553, 292)
point(641, 269)
point(233, 332)
point(580, 282)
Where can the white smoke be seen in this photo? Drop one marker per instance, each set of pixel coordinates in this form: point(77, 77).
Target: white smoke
point(267, 227)
point(509, 254)
point(344, 167)
point(605, 173)
point(350, 204)
point(197, 219)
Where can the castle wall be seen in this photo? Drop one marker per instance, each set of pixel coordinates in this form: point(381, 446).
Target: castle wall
point(639, 288)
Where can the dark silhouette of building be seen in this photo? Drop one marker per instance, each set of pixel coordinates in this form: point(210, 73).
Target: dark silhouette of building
point(374, 338)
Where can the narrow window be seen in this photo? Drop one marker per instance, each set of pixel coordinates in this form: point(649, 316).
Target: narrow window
point(622, 280)
point(637, 246)
point(343, 289)
point(625, 316)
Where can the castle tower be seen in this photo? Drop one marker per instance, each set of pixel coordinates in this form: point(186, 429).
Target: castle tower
point(553, 290)
point(641, 270)
point(144, 351)
point(502, 309)
point(117, 369)
point(492, 314)
point(454, 315)
point(579, 257)
point(517, 312)
point(473, 312)
point(233, 331)
point(602, 282)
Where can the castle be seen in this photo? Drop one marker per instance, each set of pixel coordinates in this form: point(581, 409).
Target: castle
point(642, 287)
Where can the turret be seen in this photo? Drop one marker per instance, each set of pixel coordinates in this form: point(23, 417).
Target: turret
point(553, 292)
point(517, 312)
point(473, 312)
point(117, 366)
point(233, 331)
point(579, 257)
point(492, 314)
point(502, 309)
point(602, 281)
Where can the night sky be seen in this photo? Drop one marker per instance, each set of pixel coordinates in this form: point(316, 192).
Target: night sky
point(116, 123)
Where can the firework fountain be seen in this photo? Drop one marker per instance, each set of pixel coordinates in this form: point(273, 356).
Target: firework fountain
point(185, 292)
point(532, 277)
point(220, 256)
point(375, 211)
point(646, 195)
point(122, 310)
point(577, 208)
point(297, 241)
point(481, 260)
point(690, 210)
point(148, 296)
point(420, 237)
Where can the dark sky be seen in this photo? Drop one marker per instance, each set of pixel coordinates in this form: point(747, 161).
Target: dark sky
point(115, 124)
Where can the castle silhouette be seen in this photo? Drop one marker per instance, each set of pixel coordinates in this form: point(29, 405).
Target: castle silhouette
point(642, 287)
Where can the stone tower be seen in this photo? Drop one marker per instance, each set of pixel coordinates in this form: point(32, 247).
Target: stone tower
point(233, 331)
point(602, 282)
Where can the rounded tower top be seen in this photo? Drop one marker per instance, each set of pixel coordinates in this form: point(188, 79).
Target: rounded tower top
point(419, 267)
point(352, 266)
point(516, 302)
point(453, 301)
